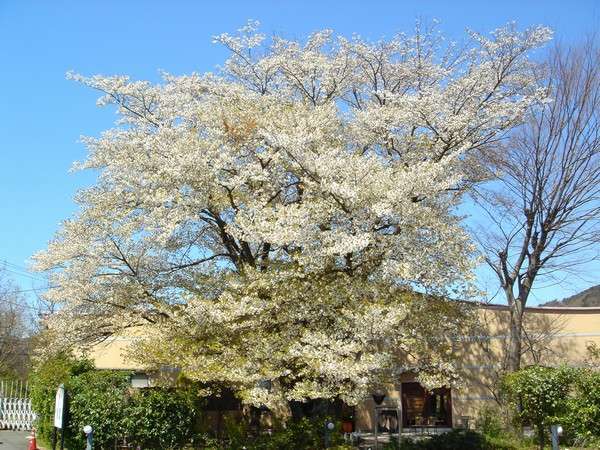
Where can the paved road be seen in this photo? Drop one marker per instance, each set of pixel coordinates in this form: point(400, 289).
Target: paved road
point(13, 440)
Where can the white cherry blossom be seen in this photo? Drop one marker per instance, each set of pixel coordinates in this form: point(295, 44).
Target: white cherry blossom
point(274, 219)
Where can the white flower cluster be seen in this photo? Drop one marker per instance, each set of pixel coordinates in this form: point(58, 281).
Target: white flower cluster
point(262, 220)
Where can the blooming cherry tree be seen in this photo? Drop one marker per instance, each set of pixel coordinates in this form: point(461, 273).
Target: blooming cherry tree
point(274, 220)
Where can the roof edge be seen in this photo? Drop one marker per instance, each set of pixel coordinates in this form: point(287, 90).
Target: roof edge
point(543, 309)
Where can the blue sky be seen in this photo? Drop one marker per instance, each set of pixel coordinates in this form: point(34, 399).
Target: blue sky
point(42, 114)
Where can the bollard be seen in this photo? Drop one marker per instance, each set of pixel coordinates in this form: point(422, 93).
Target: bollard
point(556, 431)
point(329, 427)
point(89, 435)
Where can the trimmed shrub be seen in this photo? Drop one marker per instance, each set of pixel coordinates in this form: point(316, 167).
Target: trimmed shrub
point(162, 417)
point(159, 418)
point(100, 399)
point(538, 396)
point(43, 382)
point(454, 440)
point(295, 434)
point(581, 421)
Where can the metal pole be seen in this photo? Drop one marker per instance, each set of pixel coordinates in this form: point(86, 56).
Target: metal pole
point(400, 419)
point(53, 438)
point(376, 428)
point(62, 439)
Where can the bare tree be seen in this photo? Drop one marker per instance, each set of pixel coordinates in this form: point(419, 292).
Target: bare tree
point(544, 207)
point(14, 330)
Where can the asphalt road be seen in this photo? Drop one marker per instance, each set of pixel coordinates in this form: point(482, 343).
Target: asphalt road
point(13, 440)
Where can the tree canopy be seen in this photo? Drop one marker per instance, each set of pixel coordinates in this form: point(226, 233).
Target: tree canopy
point(272, 221)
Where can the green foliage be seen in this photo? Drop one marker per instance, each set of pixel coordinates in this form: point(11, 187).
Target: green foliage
point(237, 432)
point(161, 417)
point(301, 434)
point(543, 396)
point(99, 399)
point(488, 422)
point(453, 440)
point(539, 395)
point(581, 421)
point(298, 434)
point(43, 382)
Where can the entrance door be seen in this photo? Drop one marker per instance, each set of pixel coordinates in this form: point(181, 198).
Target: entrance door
point(422, 408)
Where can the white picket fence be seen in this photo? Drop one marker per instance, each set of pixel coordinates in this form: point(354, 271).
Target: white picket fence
point(15, 406)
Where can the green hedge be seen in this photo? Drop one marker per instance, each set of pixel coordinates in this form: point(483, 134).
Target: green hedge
point(100, 399)
point(157, 417)
point(162, 418)
point(455, 440)
point(581, 420)
point(43, 382)
point(543, 396)
point(295, 434)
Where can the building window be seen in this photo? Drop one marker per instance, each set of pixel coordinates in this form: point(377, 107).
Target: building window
point(422, 408)
point(140, 380)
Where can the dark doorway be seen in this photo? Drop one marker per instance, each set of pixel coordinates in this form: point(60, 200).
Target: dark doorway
point(422, 408)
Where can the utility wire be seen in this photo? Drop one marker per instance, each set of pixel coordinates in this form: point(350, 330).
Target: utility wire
point(5, 301)
point(19, 305)
point(19, 270)
point(21, 291)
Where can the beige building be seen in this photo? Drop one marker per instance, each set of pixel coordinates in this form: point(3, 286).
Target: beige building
point(553, 336)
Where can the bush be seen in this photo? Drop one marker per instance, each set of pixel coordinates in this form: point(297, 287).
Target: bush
point(488, 422)
point(301, 434)
point(158, 418)
point(538, 396)
point(99, 399)
point(162, 417)
point(453, 440)
point(43, 382)
point(543, 396)
point(295, 434)
point(581, 421)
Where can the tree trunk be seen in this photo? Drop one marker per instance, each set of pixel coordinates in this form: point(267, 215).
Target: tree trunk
point(516, 334)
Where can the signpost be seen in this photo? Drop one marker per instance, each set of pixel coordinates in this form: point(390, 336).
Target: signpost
point(59, 406)
point(59, 417)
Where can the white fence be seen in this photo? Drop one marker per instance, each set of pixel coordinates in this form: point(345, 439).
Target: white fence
point(15, 406)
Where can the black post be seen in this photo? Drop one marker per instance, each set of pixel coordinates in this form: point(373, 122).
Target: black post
point(65, 420)
point(53, 438)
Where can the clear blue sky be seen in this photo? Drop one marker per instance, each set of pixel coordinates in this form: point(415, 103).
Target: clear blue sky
point(42, 115)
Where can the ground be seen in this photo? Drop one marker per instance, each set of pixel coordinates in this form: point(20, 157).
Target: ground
point(13, 440)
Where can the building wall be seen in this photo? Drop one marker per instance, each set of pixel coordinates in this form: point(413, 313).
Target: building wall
point(112, 354)
point(553, 336)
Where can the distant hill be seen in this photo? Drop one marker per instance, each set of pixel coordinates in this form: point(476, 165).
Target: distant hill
point(589, 297)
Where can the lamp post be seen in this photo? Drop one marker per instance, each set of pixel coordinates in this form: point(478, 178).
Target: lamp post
point(378, 397)
point(400, 417)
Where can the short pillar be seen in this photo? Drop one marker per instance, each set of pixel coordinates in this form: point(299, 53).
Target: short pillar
point(89, 437)
point(556, 431)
